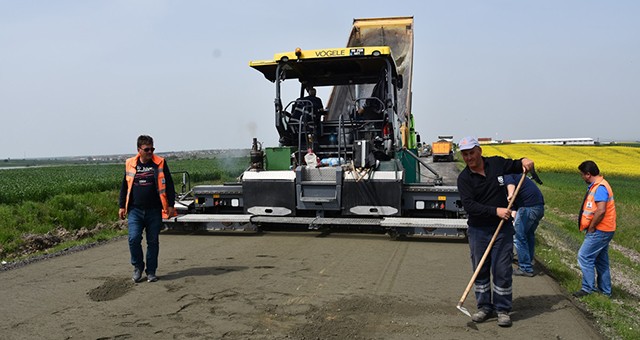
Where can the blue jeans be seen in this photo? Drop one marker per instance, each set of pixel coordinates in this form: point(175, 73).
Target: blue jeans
point(526, 223)
point(593, 258)
point(497, 265)
point(150, 221)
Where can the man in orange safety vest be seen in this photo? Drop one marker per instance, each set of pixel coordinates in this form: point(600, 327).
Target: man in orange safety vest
point(598, 219)
point(147, 195)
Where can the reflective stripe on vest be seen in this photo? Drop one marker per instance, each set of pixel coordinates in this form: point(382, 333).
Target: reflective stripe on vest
point(589, 208)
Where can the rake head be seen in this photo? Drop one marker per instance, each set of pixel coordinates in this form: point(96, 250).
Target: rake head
point(463, 310)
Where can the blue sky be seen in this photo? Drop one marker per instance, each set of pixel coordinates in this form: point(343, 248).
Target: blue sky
point(87, 77)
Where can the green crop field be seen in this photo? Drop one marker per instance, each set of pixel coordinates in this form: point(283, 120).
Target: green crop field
point(43, 199)
point(37, 184)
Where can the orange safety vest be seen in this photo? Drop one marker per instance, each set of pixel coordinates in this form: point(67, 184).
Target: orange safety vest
point(130, 173)
point(589, 208)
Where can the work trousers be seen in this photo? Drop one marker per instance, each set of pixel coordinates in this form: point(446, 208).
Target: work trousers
point(496, 268)
point(149, 221)
point(593, 258)
point(526, 223)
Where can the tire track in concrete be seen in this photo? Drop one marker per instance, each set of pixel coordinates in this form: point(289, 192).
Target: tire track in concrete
point(389, 275)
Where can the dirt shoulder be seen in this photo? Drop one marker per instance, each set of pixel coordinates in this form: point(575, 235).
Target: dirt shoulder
point(273, 286)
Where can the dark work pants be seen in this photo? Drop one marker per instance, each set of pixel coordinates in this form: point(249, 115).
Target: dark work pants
point(496, 269)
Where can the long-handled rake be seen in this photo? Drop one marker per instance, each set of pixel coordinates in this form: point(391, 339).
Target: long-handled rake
point(486, 252)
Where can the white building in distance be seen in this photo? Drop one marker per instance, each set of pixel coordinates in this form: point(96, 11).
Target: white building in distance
point(553, 141)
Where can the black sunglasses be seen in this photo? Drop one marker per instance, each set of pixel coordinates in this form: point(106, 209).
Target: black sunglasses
point(148, 149)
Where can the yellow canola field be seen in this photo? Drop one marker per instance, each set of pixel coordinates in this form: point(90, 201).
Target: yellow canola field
point(612, 160)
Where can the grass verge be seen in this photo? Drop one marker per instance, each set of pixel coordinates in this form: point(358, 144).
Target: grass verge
point(559, 241)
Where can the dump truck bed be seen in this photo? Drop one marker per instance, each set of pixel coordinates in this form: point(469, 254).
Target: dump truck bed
point(395, 32)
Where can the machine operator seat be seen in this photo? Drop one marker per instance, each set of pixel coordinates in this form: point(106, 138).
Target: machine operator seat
point(299, 120)
point(369, 108)
point(302, 107)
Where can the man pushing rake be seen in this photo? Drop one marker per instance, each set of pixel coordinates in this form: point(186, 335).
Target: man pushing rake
point(484, 197)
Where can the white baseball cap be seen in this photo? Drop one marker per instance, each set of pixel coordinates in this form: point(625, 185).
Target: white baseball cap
point(468, 143)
